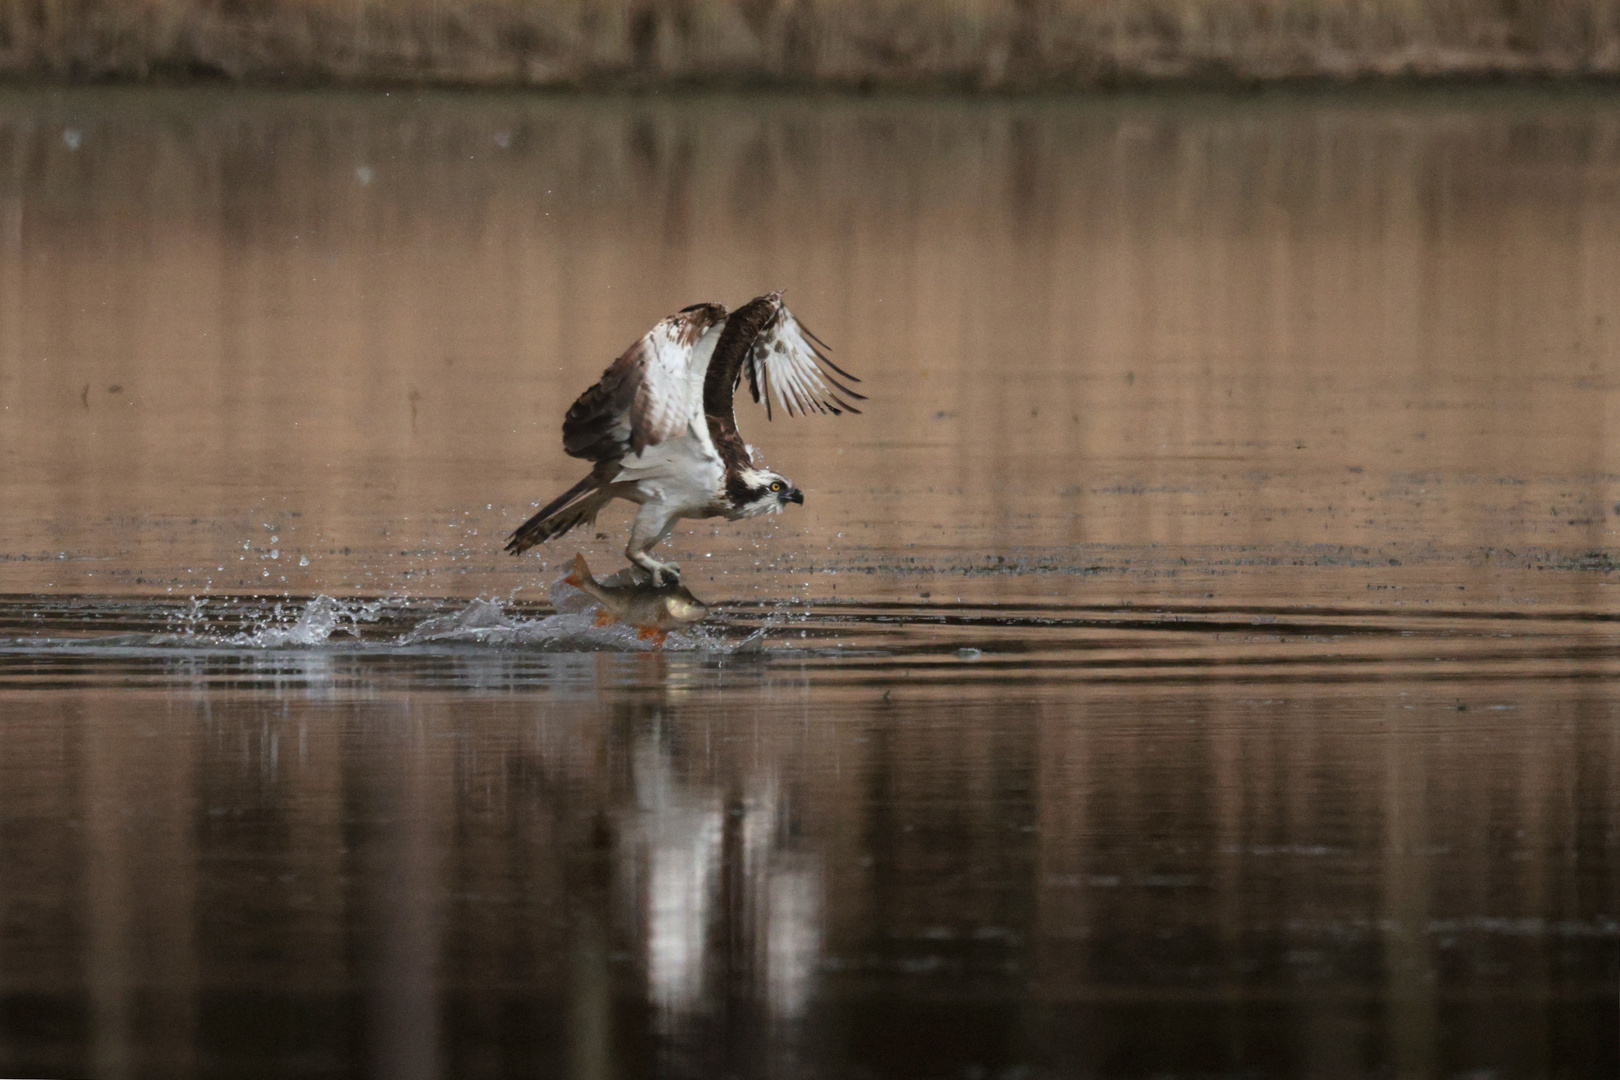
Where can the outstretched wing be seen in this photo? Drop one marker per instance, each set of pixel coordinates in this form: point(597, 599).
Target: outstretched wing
point(650, 394)
point(764, 337)
point(783, 360)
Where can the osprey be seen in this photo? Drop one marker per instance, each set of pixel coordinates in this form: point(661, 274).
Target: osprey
point(662, 428)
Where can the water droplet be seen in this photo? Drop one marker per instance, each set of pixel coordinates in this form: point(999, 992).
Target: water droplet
point(363, 174)
point(72, 138)
point(275, 553)
point(303, 560)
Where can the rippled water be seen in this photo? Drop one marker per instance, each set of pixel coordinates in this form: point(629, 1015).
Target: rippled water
point(1197, 661)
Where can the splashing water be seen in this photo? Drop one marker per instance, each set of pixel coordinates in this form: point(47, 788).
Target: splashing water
point(372, 625)
point(486, 622)
point(315, 624)
point(572, 629)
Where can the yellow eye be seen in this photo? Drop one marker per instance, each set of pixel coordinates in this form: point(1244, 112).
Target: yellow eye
point(776, 485)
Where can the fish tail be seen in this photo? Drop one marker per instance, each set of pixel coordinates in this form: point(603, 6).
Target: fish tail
point(580, 574)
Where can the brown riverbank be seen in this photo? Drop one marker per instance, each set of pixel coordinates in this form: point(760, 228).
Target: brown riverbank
point(973, 44)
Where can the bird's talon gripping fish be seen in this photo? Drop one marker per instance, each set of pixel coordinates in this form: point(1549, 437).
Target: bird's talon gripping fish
point(661, 425)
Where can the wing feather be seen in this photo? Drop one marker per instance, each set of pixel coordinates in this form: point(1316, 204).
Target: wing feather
point(811, 334)
point(763, 339)
point(783, 360)
point(648, 395)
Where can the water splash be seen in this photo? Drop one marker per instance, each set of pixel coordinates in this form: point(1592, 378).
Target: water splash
point(326, 623)
point(486, 622)
point(314, 624)
point(573, 628)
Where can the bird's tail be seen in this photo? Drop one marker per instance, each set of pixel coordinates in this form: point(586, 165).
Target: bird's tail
point(580, 503)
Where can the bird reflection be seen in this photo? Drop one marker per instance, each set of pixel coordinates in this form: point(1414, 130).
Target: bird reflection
point(727, 903)
point(710, 895)
point(792, 933)
point(678, 831)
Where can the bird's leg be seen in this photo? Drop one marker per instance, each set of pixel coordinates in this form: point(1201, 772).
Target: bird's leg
point(659, 570)
point(652, 524)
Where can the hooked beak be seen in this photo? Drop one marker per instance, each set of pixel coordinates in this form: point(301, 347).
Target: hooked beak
point(793, 495)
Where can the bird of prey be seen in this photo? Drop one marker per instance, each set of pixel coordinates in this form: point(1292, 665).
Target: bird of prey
point(662, 430)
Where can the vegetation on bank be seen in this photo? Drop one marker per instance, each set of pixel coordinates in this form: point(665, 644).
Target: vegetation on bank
point(986, 44)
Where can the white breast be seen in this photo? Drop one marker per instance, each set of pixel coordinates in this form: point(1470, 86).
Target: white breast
point(684, 473)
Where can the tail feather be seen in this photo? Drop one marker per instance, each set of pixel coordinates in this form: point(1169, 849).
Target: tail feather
point(561, 514)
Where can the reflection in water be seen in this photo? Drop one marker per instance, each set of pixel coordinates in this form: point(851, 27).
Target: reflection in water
point(682, 852)
point(1196, 663)
point(792, 935)
point(732, 909)
point(401, 958)
point(1400, 879)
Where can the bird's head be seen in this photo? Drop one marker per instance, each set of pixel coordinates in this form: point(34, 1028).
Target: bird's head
point(760, 491)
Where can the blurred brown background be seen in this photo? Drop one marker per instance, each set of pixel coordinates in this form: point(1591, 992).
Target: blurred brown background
point(961, 44)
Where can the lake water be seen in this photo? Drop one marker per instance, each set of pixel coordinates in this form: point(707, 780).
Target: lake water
point(1198, 660)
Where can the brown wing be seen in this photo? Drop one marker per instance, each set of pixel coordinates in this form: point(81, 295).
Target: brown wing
point(644, 396)
point(720, 381)
point(764, 337)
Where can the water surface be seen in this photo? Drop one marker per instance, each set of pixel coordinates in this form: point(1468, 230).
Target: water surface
point(1198, 660)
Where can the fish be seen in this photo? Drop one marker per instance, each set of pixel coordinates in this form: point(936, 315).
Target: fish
point(653, 610)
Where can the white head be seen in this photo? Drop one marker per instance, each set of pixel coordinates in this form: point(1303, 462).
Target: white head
point(761, 491)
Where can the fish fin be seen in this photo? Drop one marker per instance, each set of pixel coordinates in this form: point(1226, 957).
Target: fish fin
point(604, 617)
point(651, 633)
point(581, 573)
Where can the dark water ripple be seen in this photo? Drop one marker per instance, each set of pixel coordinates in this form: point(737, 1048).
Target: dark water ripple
point(237, 642)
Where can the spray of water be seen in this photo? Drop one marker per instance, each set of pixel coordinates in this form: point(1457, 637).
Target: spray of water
point(314, 624)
